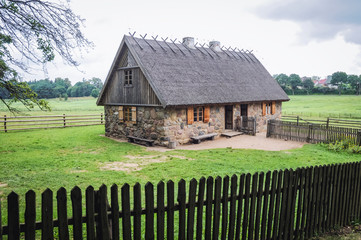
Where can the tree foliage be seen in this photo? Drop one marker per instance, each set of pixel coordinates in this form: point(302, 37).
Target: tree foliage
point(338, 79)
point(34, 31)
point(294, 82)
point(308, 84)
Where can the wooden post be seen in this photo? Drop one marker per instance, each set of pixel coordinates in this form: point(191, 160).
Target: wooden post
point(5, 123)
point(358, 139)
point(268, 128)
point(298, 120)
point(101, 118)
point(64, 120)
point(328, 122)
point(309, 133)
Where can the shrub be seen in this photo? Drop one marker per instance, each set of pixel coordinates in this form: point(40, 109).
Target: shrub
point(345, 145)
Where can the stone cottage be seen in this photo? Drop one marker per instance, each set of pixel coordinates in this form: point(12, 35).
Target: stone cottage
point(168, 91)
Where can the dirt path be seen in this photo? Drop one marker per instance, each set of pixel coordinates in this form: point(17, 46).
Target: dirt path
point(259, 142)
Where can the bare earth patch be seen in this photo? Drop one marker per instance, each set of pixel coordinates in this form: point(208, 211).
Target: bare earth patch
point(78, 171)
point(3, 185)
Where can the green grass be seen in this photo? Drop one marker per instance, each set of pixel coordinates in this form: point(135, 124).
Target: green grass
point(344, 106)
point(75, 106)
point(57, 158)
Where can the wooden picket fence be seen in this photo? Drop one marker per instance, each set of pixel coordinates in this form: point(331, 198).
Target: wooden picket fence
point(284, 204)
point(11, 123)
point(312, 133)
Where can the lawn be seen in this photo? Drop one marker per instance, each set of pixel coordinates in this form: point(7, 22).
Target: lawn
point(57, 158)
point(344, 106)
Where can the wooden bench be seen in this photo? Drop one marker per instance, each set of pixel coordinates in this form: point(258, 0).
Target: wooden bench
point(142, 141)
point(201, 137)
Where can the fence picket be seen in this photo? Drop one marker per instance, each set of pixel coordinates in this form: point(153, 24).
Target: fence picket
point(1, 227)
point(200, 202)
point(240, 205)
point(232, 207)
point(137, 212)
point(246, 206)
point(271, 204)
point(90, 213)
point(209, 200)
point(265, 205)
point(103, 232)
point(225, 207)
point(115, 211)
point(191, 209)
point(170, 211)
point(161, 210)
point(149, 211)
point(277, 205)
point(13, 216)
point(30, 215)
point(301, 185)
point(77, 213)
point(62, 214)
point(182, 209)
point(217, 207)
point(259, 196)
point(126, 221)
point(284, 203)
point(47, 214)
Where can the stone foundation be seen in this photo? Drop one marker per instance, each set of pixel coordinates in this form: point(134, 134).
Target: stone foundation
point(170, 124)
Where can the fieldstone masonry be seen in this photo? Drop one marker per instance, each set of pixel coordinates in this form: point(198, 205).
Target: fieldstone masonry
point(170, 124)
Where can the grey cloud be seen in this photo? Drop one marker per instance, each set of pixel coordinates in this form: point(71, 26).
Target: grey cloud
point(319, 19)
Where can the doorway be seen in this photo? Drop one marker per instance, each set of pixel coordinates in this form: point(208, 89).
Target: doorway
point(229, 117)
point(244, 110)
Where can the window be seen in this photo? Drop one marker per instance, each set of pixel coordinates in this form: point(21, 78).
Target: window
point(268, 108)
point(127, 114)
point(128, 77)
point(198, 114)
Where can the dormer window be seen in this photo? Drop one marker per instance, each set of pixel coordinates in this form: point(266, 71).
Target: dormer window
point(128, 77)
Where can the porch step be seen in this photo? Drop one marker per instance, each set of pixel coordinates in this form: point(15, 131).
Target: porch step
point(230, 134)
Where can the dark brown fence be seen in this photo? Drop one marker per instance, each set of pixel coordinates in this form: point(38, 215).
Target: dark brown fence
point(10, 123)
point(246, 125)
point(346, 123)
point(279, 205)
point(312, 133)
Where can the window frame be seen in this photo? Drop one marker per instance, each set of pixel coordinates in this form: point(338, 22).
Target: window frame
point(127, 114)
point(128, 77)
point(198, 114)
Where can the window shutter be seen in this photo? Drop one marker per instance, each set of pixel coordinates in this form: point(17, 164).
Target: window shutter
point(273, 108)
point(134, 115)
point(190, 115)
point(120, 114)
point(207, 111)
point(264, 109)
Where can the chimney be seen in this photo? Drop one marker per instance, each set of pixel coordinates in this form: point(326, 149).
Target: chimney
point(189, 42)
point(215, 46)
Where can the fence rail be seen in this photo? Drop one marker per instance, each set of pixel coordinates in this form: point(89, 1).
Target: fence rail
point(279, 205)
point(312, 133)
point(327, 122)
point(11, 123)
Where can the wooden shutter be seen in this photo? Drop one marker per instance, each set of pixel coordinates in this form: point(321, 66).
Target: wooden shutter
point(273, 111)
point(120, 114)
point(190, 115)
point(206, 114)
point(263, 109)
point(134, 115)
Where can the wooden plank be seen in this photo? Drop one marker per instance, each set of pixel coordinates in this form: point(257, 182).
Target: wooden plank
point(182, 209)
point(13, 216)
point(350, 190)
point(77, 213)
point(284, 204)
point(103, 214)
point(137, 220)
point(161, 210)
point(330, 185)
point(114, 201)
point(170, 211)
point(30, 215)
point(240, 206)
point(225, 207)
point(126, 220)
point(232, 207)
point(47, 215)
point(200, 202)
point(246, 206)
point(342, 204)
point(1, 228)
point(271, 204)
point(191, 208)
point(335, 195)
point(217, 207)
point(323, 200)
point(259, 206)
point(298, 231)
point(312, 210)
point(293, 193)
point(326, 197)
point(90, 212)
point(62, 214)
point(357, 192)
point(277, 205)
point(149, 211)
point(209, 200)
point(265, 205)
point(306, 203)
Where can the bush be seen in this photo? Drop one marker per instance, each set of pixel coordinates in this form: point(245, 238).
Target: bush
point(95, 93)
point(345, 145)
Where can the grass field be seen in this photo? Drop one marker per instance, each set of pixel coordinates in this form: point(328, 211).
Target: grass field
point(83, 105)
point(57, 158)
point(344, 106)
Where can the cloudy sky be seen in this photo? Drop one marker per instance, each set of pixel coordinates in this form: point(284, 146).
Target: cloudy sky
point(307, 37)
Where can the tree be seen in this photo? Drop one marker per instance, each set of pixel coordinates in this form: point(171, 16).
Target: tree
point(95, 93)
point(355, 82)
point(338, 79)
point(283, 80)
point(308, 84)
point(34, 31)
point(294, 82)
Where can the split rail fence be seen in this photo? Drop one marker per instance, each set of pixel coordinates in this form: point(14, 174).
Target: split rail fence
point(328, 122)
point(11, 123)
point(312, 133)
point(274, 205)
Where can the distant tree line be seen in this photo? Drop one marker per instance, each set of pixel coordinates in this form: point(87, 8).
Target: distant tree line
point(337, 83)
point(62, 88)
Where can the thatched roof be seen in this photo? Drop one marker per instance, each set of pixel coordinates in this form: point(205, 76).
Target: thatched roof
point(183, 76)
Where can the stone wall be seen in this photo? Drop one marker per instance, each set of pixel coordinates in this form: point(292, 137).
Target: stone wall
point(255, 110)
point(150, 124)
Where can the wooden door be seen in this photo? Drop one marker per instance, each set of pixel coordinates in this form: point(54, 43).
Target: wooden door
point(229, 117)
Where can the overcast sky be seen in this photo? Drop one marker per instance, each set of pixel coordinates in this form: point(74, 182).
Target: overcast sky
point(307, 37)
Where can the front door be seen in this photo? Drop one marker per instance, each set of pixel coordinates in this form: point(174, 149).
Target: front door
point(229, 117)
point(244, 110)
